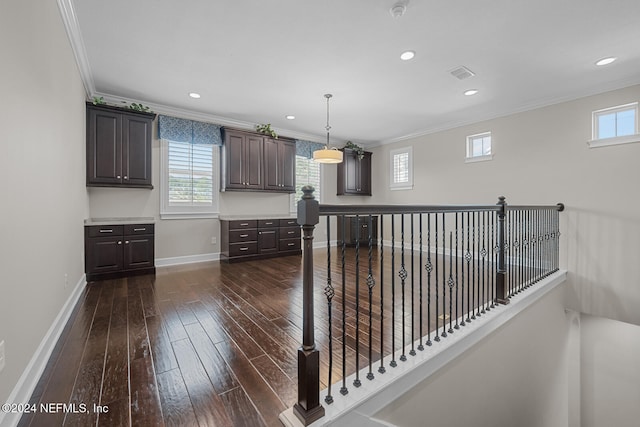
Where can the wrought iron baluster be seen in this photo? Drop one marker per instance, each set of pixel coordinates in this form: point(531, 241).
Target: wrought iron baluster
point(444, 279)
point(370, 284)
point(462, 262)
point(457, 256)
point(413, 350)
point(329, 292)
point(473, 268)
point(483, 254)
point(493, 264)
point(467, 258)
point(420, 346)
point(429, 268)
point(382, 369)
point(393, 362)
point(437, 337)
point(450, 282)
point(344, 390)
point(403, 277)
point(356, 381)
point(479, 271)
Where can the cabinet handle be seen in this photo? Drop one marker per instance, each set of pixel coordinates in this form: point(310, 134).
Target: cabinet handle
point(364, 225)
point(291, 244)
point(291, 232)
point(244, 224)
point(119, 242)
point(140, 229)
point(268, 223)
point(244, 249)
point(126, 242)
point(118, 176)
point(244, 235)
point(126, 177)
point(106, 231)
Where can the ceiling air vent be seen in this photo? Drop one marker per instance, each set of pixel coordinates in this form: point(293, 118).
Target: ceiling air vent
point(462, 73)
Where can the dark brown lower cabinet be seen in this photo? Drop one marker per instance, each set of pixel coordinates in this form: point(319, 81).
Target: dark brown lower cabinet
point(118, 250)
point(356, 229)
point(243, 240)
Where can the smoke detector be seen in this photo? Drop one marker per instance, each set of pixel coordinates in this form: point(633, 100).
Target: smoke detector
point(398, 9)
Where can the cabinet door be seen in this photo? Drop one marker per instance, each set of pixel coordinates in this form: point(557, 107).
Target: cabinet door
point(287, 162)
point(104, 255)
point(268, 241)
point(138, 252)
point(234, 158)
point(272, 165)
point(253, 162)
point(364, 175)
point(104, 148)
point(136, 150)
point(352, 172)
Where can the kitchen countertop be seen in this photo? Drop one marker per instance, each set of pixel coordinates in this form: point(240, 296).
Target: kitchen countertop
point(250, 217)
point(120, 220)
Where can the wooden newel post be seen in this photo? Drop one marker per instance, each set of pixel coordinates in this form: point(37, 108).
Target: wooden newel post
point(308, 408)
point(502, 296)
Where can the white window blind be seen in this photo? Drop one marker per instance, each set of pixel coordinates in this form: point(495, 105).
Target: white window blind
point(190, 179)
point(307, 173)
point(401, 169)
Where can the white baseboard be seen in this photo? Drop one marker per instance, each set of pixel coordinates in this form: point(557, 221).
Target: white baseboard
point(188, 259)
point(31, 375)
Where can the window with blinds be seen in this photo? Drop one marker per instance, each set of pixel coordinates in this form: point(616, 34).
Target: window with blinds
point(307, 173)
point(401, 169)
point(190, 180)
point(479, 147)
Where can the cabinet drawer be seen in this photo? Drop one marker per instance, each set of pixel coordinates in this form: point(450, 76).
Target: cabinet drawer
point(289, 245)
point(241, 225)
point(240, 236)
point(268, 223)
point(242, 249)
point(133, 229)
point(292, 222)
point(105, 230)
point(289, 232)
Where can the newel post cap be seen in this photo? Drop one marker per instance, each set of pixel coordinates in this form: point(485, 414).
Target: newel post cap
point(308, 207)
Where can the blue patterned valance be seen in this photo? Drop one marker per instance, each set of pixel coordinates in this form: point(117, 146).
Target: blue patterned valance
point(306, 148)
point(183, 130)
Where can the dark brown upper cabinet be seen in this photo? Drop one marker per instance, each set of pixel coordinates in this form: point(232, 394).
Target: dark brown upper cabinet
point(254, 162)
point(279, 165)
point(243, 154)
point(118, 147)
point(354, 175)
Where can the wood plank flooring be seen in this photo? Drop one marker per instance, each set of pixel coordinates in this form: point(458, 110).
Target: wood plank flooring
point(215, 344)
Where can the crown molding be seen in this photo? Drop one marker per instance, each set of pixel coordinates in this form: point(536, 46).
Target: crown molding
point(72, 27)
point(204, 117)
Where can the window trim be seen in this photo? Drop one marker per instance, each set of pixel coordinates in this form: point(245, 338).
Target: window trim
point(401, 185)
point(188, 212)
point(595, 142)
point(470, 158)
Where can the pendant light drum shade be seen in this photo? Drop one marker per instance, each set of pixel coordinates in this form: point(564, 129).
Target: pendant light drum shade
point(328, 154)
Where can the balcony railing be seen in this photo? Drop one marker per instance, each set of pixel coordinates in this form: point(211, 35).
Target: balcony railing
point(413, 276)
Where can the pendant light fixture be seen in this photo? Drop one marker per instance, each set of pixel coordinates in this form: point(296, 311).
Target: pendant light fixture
point(328, 154)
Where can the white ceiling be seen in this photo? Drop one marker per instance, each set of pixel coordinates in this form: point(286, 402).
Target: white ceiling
point(255, 61)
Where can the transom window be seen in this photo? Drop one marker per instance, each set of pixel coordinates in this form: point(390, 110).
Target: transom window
point(479, 147)
point(616, 121)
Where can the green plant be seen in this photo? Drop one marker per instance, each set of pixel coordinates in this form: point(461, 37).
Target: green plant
point(355, 147)
point(266, 130)
point(99, 101)
point(139, 107)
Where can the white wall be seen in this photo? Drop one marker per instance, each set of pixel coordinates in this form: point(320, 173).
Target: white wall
point(610, 373)
point(541, 156)
point(42, 164)
point(517, 376)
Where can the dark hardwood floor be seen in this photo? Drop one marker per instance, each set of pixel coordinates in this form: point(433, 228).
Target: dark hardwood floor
point(213, 344)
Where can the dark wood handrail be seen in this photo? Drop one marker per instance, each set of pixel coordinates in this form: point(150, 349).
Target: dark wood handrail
point(326, 210)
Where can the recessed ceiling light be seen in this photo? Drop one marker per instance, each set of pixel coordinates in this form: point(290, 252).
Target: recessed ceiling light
point(290, 117)
point(194, 95)
point(409, 54)
point(470, 92)
point(606, 61)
